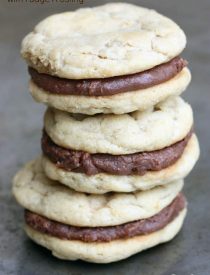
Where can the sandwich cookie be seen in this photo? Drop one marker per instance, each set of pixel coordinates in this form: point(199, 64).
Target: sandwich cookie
point(152, 161)
point(130, 63)
point(55, 218)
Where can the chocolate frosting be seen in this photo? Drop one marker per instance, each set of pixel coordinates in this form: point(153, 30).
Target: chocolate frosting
point(131, 164)
point(109, 86)
point(110, 233)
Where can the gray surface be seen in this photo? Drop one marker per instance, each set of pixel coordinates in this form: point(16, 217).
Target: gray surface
point(20, 129)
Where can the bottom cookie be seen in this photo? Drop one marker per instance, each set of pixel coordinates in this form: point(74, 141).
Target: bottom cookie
point(106, 252)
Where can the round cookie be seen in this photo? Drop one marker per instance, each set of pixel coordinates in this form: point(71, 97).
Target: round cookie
point(117, 104)
point(105, 41)
point(103, 183)
point(156, 128)
point(109, 251)
point(34, 191)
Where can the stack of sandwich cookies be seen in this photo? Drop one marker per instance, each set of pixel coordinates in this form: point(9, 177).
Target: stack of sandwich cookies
point(117, 138)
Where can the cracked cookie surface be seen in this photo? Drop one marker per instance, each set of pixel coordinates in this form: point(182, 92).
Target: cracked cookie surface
point(136, 132)
point(110, 40)
point(35, 192)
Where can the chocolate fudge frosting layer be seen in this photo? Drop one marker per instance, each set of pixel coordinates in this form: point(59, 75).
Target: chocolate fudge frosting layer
point(109, 86)
point(131, 164)
point(110, 233)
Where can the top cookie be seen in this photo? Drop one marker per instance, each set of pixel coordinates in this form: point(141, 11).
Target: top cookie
point(109, 40)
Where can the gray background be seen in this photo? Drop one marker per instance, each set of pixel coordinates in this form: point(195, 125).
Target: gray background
point(20, 130)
